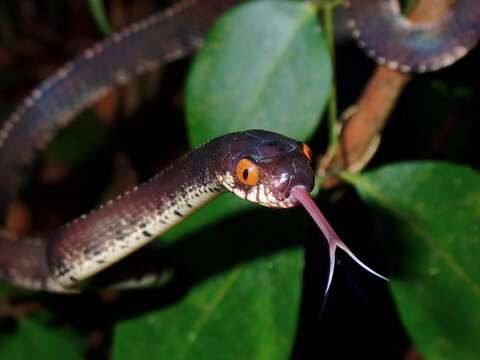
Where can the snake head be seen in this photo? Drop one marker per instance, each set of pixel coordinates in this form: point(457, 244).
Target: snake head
point(275, 171)
point(263, 167)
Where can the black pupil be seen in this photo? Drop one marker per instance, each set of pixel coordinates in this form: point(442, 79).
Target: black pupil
point(245, 174)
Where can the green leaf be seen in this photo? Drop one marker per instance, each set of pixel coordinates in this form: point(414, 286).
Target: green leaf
point(35, 338)
point(245, 295)
point(265, 65)
point(5, 288)
point(246, 313)
point(98, 11)
point(429, 218)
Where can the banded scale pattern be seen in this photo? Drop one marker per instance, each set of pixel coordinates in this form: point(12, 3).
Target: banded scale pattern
point(114, 230)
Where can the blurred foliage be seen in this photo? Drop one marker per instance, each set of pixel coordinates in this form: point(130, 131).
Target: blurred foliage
point(239, 287)
point(40, 338)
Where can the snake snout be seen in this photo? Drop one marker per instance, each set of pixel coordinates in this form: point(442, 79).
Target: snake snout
point(302, 176)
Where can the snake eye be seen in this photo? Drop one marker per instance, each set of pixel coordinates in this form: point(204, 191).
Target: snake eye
point(307, 151)
point(247, 172)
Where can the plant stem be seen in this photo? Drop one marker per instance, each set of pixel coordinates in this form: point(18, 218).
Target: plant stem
point(328, 7)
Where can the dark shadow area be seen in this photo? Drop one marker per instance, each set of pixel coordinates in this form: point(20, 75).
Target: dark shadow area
point(359, 318)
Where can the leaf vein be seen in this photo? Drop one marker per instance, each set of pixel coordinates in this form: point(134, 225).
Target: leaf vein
point(263, 81)
point(220, 295)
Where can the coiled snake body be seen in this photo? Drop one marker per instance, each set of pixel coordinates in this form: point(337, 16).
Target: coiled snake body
point(257, 165)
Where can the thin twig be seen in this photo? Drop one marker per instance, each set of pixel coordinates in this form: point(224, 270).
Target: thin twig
point(332, 104)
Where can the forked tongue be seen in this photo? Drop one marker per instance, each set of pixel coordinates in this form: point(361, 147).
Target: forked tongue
point(332, 238)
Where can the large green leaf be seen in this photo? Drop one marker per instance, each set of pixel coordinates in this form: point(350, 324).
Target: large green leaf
point(35, 338)
point(429, 217)
point(246, 313)
point(265, 65)
point(243, 295)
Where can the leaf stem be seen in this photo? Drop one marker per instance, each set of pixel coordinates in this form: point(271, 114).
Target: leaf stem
point(328, 7)
point(98, 11)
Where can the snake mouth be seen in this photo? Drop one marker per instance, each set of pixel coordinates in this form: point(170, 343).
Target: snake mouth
point(292, 194)
point(268, 197)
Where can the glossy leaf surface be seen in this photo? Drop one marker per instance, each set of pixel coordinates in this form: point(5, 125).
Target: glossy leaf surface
point(265, 65)
point(429, 220)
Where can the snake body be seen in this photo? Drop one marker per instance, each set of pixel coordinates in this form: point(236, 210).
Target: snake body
point(400, 44)
point(89, 244)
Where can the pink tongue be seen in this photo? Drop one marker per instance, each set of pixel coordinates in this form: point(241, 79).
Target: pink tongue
point(332, 238)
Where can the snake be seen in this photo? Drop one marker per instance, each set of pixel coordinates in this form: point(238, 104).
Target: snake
point(257, 165)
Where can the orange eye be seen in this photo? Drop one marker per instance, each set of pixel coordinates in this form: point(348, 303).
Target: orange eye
point(247, 172)
point(307, 151)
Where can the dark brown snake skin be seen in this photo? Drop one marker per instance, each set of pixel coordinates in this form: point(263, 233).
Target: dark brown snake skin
point(118, 228)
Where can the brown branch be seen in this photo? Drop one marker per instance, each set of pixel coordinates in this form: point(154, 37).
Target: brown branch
point(368, 117)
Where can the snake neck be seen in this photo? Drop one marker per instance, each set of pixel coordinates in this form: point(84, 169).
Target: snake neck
point(114, 230)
